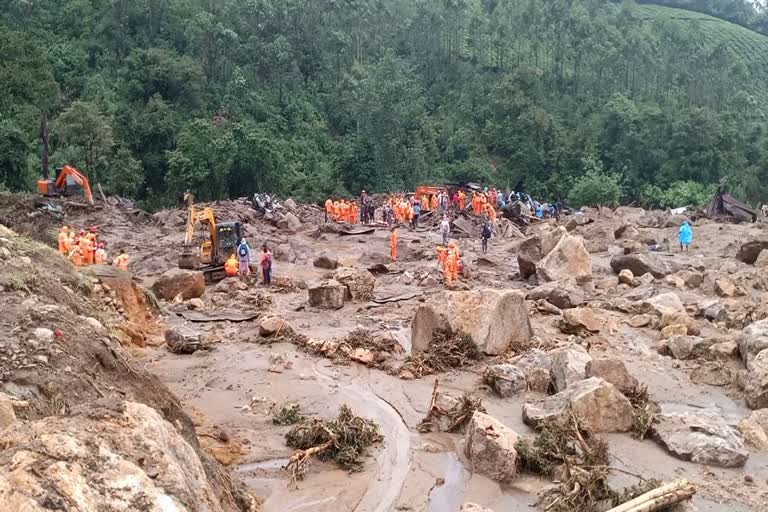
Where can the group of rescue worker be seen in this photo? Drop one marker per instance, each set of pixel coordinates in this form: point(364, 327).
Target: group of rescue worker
point(84, 248)
point(341, 210)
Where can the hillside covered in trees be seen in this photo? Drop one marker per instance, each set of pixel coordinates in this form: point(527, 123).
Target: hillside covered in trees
point(315, 97)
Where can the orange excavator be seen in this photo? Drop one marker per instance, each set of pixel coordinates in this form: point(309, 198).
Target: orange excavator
point(69, 181)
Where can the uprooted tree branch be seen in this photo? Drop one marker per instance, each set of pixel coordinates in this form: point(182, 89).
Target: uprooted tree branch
point(447, 351)
point(454, 419)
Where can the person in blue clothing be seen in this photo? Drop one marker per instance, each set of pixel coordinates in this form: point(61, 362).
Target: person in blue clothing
point(685, 237)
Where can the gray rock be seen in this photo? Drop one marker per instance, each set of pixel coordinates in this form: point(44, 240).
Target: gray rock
point(473, 507)
point(598, 405)
point(561, 294)
point(569, 366)
point(508, 380)
point(490, 448)
point(642, 263)
point(359, 283)
point(626, 277)
point(688, 347)
point(753, 340)
point(660, 304)
point(537, 367)
point(187, 283)
point(756, 387)
point(702, 438)
point(569, 259)
point(327, 260)
point(533, 249)
point(613, 371)
point(580, 321)
point(329, 294)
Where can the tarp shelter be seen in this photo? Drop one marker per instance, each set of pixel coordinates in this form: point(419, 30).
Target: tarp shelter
point(725, 205)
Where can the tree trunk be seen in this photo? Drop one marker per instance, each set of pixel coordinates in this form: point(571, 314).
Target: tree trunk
point(45, 139)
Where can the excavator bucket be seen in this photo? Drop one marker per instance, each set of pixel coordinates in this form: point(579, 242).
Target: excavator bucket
point(189, 258)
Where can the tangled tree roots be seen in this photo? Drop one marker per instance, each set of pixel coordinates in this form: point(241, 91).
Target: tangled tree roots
point(579, 461)
point(458, 416)
point(644, 412)
point(344, 440)
point(448, 350)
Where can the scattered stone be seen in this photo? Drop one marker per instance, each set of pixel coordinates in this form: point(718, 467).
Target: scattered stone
point(327, 260)
point(756, 388)
point(597, 237)
point(755, 429)
point(712, 374)
point(285, 253)
point(753, 340)
point(537, 367)
point(508, 380)
point(750, 251)
point(290, 204)
point(716, 312)
point(569, 259)
point(671, 331)
point(533, 249)
point(688, 347)
point(359, 283)
point(690, 278)
point(94, 323)
point(627, 277)
point(569, 366)
point(724, 287)
point(548, 309)
point(43, 335)
point(494, 319)
point(660, 304)
point(561, 294)
point(642, 263)
point(195, 304)
point(579, 321)
point(639, 321)
point(329, 294)
point(724, 350)
point(362, 355)
point(181, 340)
point(674, 281)
point(598, 405)
point(702, 438)
point(289, 222)
point(626, 232)
point(613, 371)
point(177, 281)
point(273, 325)
point(633, 247)
point(490, 448)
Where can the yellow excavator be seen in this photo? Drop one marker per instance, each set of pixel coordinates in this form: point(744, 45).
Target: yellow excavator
point(208, 244)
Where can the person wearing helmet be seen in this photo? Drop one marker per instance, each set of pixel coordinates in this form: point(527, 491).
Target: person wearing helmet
point(100, 256)
point(121, 262)
point(244, 258)
point(63, 240)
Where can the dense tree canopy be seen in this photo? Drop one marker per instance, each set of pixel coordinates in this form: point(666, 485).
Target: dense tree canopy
point(316, 97)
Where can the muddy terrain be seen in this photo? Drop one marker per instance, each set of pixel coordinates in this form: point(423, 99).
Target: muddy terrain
point(582, 304)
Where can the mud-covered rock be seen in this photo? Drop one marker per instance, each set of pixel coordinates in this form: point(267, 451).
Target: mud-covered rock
point(176, 281)
point(613, 371)
point(639, 321)
point(533, 249)
point(703, 438)
point(490, 448)
point(598, 237)
point(285, 253)
point(753, 340)
point(288, 222)
point(626, 277)
point(690, 278)
point(724, 350)
point(754, 429)
point(508, 380)
point(327, 260)
point(756, 389)
point(642, 263)
point(118, 459)
point(724, 287)
point(660, 304)
point(537, 367)
point(494, 319)
point(750, 251)
point(561, 294)
point(580, 321)
point(598, 405)
point(328, 294)
point(569, 259)
point(274, 325)
point(569, 365)
point(688, 347)
point(359, 283)
point(7, 414)
point(712, 374)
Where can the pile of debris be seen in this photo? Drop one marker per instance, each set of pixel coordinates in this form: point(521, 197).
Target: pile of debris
point(361, 346)
point(448, 351)
point(449, 414)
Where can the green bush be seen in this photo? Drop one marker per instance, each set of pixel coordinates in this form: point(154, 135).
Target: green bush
point(596, 187)
point(678, 194)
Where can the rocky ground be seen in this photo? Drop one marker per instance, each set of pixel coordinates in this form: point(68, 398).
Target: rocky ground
point(570, 317)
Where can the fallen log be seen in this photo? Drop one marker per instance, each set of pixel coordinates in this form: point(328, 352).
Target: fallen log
point(356, 232)
point(659, 498)
point(397, 298)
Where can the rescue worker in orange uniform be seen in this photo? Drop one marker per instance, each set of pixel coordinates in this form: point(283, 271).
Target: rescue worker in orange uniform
point(76, 256)
point(453, 261)
point(336, 210)
point(353, 213)
point(442, 256)
point(489, 209)
point(328, 209)
point(231, 266)
point(393, 244)
point(121, 262)
point(462, 200)
point(424, 203)
point(63, 240)
point(433, 203)
point(100, 256)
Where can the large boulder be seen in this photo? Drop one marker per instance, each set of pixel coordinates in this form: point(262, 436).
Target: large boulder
point(642, 263)
point(569, 259)
point(753, 340)
point(329, 294)
point(537, 367)
point(561, 294)
point(597, 237)
point(598, 405)
point(289, 222)
point(756, 389)
point(285, 253)
point(750, 251)
point(327, 260)
point(533, 249)
point(580, 321)
point(176, 281)
point(359, 283)
point(613, 371)
point(490, 448)
point(755, 429)
point(703, 438)
point(688, 347)
point(661, 304)
point(569, 365)
point(508, 380)
point(494, 319)
point(123, 458)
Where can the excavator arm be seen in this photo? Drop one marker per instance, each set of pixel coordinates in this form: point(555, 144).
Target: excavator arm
point(207, 251)
point(77, 176)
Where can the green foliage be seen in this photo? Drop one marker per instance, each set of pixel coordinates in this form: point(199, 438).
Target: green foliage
point(84, 130)
point(13, 156)
point(595, 187)
point(677, 195)
point(127, 173)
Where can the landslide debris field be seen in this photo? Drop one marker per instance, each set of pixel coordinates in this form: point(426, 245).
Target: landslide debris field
point(570, 369)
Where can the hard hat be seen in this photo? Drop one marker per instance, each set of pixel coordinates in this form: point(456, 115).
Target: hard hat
point(101, 246)
point(64, 228)
point(452, 245)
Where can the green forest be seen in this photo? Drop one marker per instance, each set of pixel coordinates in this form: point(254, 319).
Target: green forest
point(649, 103)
